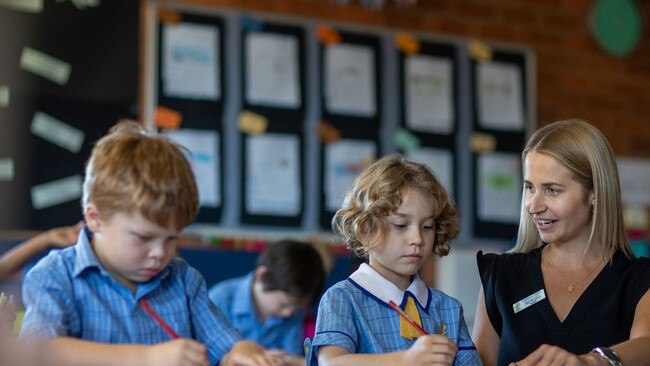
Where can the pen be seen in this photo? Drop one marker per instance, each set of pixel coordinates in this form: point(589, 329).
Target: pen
point(407, 318)
point(163, 324)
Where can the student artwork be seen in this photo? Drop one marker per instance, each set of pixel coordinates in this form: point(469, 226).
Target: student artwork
point(203, 146)
point(190, 61)
point(499, 187)
point(350, 80)
point(500, 96)
point(272, 70)
point(273, 175)
point(344, 160)
point(429, 91)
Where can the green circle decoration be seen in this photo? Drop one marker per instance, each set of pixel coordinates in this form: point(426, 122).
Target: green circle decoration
point(616, 25)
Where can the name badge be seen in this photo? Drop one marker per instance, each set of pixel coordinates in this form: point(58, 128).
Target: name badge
point(529, 300)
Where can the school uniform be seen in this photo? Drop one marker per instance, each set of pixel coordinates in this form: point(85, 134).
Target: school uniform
point(354, 314)
point(234, 297)
point(69, 294)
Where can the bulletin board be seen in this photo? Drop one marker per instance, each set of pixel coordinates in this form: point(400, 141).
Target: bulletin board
point(501, 110)
point(67, 77)
point(273, 80)
point(327, 129)
point(190, 82)
point(429, 130)
point(350, 95)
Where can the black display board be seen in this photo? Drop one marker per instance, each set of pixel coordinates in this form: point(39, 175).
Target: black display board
point(438, 140)
point(354, 127)
point(198, 114)
point(506, 141)
point(281, 120)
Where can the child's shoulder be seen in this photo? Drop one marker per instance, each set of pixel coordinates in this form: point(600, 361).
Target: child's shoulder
point(440, 299)
point(56, 263)
point(343, 287)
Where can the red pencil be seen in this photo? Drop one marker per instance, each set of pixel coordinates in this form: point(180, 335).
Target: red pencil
point(407, 318)
point(163, 324)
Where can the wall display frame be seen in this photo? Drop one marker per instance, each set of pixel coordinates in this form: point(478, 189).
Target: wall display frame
point(189, 79)
point(273, 81)
point(350, 94)
point(367, 111)
point(429, 108)
point(501, 106)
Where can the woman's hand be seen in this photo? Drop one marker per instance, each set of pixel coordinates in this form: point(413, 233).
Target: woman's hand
point(547, 355)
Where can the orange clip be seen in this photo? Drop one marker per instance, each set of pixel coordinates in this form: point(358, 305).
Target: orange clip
point(407, 43)
point(167, 119)
point(327, 34)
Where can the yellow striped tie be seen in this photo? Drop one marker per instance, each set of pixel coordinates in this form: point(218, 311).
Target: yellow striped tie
point(407, 330)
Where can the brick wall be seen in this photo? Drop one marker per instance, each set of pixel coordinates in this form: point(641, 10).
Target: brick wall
point(574, 77)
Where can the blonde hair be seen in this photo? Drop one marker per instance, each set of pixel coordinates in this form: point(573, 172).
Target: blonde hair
point(584, 150)
point(130, 169)
point(377, 193)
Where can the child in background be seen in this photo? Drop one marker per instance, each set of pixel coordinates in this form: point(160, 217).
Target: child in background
point(119, 296)
point(15, 259)
point(397, 215)
point(268, 305)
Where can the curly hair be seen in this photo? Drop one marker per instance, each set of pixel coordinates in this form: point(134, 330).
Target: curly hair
point(378, 192)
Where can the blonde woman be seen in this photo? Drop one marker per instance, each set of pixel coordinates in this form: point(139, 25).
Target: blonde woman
point(570, 292)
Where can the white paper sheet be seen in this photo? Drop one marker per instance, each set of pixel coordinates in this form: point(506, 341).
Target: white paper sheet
point(190, 61)
point(30, 6)
point(6, 169)
point(273, 175)
point(441, 162)
point(203, 146)
point(429, 94)
point(634, 174)
point(4, 96)
point(344, 161)
point(500, 98)
point(272, 70)
point(57, 132)
point(350, 80)
point(45, 65)
point(56, 192)
point(499, 195)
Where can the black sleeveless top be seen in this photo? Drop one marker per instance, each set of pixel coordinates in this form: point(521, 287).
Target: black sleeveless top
point(602, 316)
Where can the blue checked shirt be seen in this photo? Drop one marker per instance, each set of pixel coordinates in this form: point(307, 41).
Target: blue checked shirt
point(69, 294)
point(354, 314)
point(235, 298)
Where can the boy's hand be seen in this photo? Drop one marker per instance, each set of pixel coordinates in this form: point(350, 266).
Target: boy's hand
point(179, 352)
point(247, 353)
point(431, 348)
point(64, 236)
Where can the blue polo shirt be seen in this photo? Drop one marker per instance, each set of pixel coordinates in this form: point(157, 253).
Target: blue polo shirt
point(235, 299)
